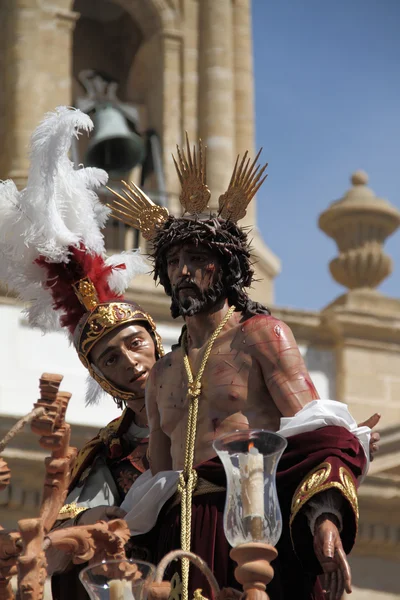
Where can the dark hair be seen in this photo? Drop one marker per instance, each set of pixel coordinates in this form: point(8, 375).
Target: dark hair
point(225, 239)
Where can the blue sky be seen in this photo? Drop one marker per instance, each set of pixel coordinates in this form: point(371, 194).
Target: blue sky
point(327, 77)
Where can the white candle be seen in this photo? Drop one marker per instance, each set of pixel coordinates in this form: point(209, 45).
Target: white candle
point(252, 482)
point(120, 590)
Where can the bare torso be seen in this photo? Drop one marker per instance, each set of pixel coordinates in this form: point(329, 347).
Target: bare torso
point(242, 386)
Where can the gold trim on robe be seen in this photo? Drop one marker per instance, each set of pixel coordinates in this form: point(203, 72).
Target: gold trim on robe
point(316, 482)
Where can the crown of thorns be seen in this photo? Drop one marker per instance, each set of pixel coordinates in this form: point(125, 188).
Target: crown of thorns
point(224, 238)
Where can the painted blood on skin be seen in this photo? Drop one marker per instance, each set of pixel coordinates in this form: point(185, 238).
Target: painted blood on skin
point(220, 368)
point(259, 321)
point(311, 387)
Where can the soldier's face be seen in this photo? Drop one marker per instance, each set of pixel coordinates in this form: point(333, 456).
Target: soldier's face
point(194, 272)
point(125, 357)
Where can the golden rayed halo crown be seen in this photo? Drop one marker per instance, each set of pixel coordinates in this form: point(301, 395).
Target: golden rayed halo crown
point(136, 209)
point(243, 186)
point(192, 174)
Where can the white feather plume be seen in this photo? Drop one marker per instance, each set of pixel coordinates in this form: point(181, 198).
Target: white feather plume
point(94, 392)
point(120, 279)
point(58, 208)
point(59, 200)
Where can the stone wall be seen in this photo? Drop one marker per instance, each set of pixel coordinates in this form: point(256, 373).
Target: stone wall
point(372, 382)
point(27, 354)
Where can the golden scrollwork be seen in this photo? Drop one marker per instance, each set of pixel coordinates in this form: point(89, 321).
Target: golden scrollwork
point(100, 321)
point(176, 588)
point(70, 511)
point(349, 489)
point(310, 486)
point(86, 293)
point(103, 319)
point(198, 595)
point(316, 482)
point(106, 316)
point(151, 219)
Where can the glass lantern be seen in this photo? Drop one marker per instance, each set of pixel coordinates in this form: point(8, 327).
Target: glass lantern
point(250, 459)
point(118, 579)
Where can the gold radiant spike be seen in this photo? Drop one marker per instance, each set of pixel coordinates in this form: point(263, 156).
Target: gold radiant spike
point(191, 170)
point(137, 210)
point(244, 184)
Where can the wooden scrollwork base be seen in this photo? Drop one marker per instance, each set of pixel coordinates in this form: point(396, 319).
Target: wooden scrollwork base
point(10, 549)
point(254, 570)
point(5, 475)
point(31, 565)
point(102, 541)
point(21, 552)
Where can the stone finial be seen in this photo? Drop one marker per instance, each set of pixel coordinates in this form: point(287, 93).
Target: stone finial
point(359, 223)
point(359, 178)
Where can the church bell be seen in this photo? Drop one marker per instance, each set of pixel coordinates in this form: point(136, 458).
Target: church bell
point(114, 147)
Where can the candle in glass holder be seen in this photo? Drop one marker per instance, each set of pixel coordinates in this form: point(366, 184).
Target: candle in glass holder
point(251, 467)
point(118, 579)
point(122, 589)
point(117, 589)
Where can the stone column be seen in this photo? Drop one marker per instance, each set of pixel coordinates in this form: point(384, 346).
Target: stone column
point(190, 58)
point(244, 88)
point(38, 74)
point(243, 76)
point(171, 98)
point(216, 93)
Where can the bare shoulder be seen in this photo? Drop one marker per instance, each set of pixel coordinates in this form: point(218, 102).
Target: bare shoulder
point(265, 327)
point(268, 336)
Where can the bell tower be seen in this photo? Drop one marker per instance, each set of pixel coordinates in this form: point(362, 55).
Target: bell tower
point(183, 65)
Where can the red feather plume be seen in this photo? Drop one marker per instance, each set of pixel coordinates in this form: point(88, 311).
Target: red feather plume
point(61, 277)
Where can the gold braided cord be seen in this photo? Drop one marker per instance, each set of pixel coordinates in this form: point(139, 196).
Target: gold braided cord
point(188, 477)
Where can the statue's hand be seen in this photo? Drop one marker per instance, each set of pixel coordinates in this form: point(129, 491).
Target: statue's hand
point(329, 551)
point(100, 513)
point(375, 435)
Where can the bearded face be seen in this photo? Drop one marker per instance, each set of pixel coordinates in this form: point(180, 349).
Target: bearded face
point(195, 276)
point(200, 262)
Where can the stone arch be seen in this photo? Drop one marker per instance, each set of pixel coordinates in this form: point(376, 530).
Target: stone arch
point(153, 16)
point(106, 38)
point(149, 19)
